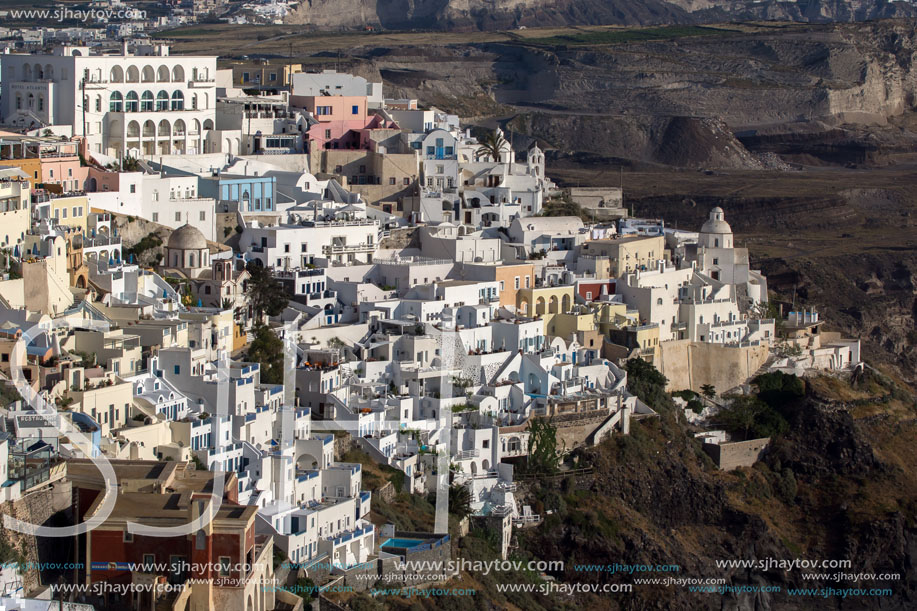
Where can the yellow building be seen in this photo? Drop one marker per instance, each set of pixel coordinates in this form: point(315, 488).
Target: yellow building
point(565, 324)
point(544, 302)
point(623, 255)
point(70, 211)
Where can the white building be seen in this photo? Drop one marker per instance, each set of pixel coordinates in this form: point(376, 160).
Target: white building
point(139, 104)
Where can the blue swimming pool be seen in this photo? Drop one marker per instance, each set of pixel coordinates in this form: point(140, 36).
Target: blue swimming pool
point(402, 543)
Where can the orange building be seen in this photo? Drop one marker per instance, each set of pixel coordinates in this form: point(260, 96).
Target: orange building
point(512, 277)
point(47, 160)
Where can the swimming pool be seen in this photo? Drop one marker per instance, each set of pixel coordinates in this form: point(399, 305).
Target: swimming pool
point(402, 543)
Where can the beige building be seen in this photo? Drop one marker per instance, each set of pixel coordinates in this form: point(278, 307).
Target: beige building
point(46, 281)
point(264, 75)
point(15, 212)
point(382, 180)
point(616, 257)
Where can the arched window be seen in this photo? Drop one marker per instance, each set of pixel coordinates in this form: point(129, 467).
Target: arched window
point(117, 75)
point(146, 101)
point(162, 101)
point(178, 101)
point(131, 103)
point(162, 75)
point(31, 99)
point(133, 75)
point(194, 101)
point(148, 74)
point(178, 74)
point(98, 103)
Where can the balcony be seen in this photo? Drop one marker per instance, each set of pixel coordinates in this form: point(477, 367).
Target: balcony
point(340, 249)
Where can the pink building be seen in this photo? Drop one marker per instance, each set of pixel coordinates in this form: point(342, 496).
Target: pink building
point(342, 122)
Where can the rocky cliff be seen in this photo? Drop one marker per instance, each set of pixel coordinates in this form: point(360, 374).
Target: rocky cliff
point(837, 485)
point(506, 14)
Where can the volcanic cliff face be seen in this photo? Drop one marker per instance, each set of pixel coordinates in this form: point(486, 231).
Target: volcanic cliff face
point(506, 14)
point(603, 95)
point(654, 499)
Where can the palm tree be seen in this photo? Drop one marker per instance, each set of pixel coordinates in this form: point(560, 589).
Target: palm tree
point(492, 145)
point(708, 390)
point(459, 500)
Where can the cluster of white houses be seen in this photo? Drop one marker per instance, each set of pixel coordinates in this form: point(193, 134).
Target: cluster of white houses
point(449, 344)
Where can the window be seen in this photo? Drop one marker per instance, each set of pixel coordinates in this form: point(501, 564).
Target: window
point(327, 133)
point(128, 537)
point(486, 444)
point(272, 77)
point(224, 566)
point(286, 248)
point(517, 283)
point(76, 212)
point(203, 215)
point(245, 77)
point(155, 217)
point(148, 561)
point(362, 169)
point(502, 285)
point(303, 247)
point(527, 282)
point(391, 180)
point(134, 189)
point(177, 217)
point(323, 110)
point(354, 110)
point(588, 296)
point(716, 261)
point(63, 213)
point(407, 181)
point(98, 103)
point(338, 169)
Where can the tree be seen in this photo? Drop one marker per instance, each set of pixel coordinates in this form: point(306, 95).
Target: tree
point(266, 349)
point(459, 500)
point(543, 457)
point(492, 144)
point(708, 390)
point(750, 417)
point(265, 294)
point(647, 383)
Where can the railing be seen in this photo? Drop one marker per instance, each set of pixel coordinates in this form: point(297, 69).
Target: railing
point(333, 249)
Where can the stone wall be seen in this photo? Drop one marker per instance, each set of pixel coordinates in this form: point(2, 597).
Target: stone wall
point(690, 365)
point(731, 455)
point(37, 507)
point(574, 429)
point(342, 445)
